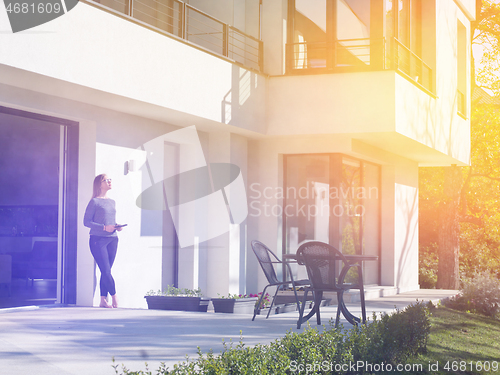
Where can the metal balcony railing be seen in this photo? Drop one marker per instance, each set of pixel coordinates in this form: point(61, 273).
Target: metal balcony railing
point(461, 104)
point(346, 53)
point(357, 55)
point(410, 64)
point(186, 22)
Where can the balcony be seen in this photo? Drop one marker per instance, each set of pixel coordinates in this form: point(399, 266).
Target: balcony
point(409, 64)
point(181, 20)
point(354, 55)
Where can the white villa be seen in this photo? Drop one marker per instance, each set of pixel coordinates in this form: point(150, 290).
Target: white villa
point(327, 108)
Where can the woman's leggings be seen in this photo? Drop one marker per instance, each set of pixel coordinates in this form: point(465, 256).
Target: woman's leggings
point(104, 251)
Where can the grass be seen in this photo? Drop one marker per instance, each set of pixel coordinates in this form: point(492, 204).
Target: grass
point(464, 340)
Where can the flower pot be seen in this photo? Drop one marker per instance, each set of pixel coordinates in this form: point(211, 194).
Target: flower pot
point(178, 303)
point(234, 305)
point(203, 306)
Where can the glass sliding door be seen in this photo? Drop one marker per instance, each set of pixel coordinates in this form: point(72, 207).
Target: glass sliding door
point(334, 199)
point(352, 22)
point(307, 204)
point(350, 207)
point(310, 34)
point(38, 208)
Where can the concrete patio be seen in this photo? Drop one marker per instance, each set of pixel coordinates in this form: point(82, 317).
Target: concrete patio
point(83, 340)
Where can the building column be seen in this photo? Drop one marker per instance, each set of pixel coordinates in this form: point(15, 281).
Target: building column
point(226, 254)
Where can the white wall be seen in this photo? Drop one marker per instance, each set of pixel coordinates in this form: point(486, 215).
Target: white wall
point(382, 108)
point(454, 127)
point(399, 200)
point(107, 139)
point(406, 234)
point(365, 105)
point(332, 103)
point(118, 57)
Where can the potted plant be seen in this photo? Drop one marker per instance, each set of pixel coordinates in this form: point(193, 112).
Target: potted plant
point(281, 305)
point(180, 299)
point(264, 304)
point(235, 303)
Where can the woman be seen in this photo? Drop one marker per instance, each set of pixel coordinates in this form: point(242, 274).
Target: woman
point(100, 218)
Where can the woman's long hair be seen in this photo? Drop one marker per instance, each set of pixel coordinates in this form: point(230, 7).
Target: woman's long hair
point(97, 184)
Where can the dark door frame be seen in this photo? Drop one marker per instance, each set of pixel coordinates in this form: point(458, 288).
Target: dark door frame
point(70, 198)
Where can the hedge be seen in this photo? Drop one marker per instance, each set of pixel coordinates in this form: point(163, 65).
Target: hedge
point(385, 341)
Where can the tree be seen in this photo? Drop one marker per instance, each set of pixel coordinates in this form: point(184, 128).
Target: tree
point(448, 239)
point(480, 207)
point(466, 198)
point(486, 33)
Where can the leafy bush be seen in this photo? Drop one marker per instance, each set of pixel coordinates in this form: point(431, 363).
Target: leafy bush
point(427, 267)
point(427, 278)
point(237, 296)
point(173, 291)
point(479, 294)
point(266, 301)
point(390, 339)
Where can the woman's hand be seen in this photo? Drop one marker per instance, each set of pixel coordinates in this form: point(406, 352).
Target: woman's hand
point(119, 229)
point(109, 228)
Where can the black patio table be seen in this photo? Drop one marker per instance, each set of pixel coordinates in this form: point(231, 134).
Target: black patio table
point(339, 286)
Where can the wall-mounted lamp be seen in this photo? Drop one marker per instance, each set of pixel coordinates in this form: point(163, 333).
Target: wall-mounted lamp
point(131, 166)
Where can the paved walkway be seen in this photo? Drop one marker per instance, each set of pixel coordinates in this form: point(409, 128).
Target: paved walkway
point(83, 340)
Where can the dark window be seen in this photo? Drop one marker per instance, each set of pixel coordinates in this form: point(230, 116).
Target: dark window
point(407, 22)
point(335, 199)
point(329, 34)
point(310, 34)
point(404, 22)
point(403, 35)
point(326, 36)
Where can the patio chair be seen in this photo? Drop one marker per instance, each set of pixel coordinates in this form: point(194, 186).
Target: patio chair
point(321, 261)
point(267, 259)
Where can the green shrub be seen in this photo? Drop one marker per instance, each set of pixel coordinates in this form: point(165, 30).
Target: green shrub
point(388, 339)
point(176, 292)
point(479, 294)
point(427, 267)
